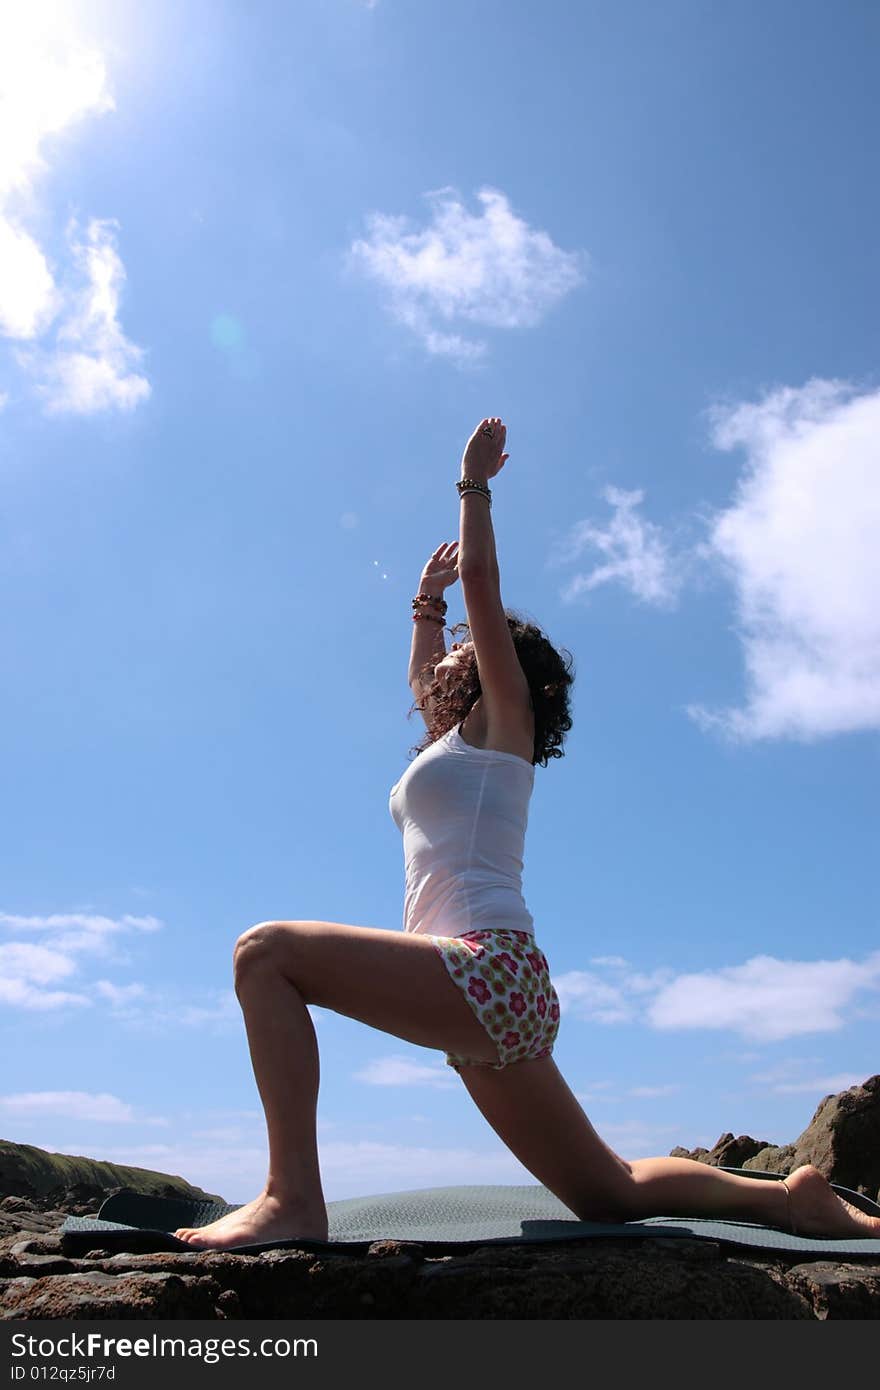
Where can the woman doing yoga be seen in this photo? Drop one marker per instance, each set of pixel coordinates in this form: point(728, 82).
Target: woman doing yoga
point(466, 975)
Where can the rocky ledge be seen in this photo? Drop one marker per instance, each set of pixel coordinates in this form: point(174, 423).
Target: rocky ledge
point(615, 1278)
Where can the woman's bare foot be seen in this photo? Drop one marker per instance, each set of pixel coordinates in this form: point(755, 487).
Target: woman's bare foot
point(265, 1218)
point(818, 1211)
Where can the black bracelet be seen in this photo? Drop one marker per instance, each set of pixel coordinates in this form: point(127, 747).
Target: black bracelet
point(465, 485)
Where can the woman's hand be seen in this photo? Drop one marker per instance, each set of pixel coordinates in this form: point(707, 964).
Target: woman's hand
point(483, 456)
point(442, 568)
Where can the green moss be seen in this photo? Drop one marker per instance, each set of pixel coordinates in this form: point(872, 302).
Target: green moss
point(26, 1171)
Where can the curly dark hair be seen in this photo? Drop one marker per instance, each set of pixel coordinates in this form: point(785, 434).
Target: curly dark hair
point(549, 677)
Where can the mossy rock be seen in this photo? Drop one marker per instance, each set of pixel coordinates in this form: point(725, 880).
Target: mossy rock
point(26, 1171)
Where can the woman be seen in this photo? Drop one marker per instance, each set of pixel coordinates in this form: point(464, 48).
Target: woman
point(466, 975)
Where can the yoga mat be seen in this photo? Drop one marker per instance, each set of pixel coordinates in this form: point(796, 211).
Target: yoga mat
point(437, 1217)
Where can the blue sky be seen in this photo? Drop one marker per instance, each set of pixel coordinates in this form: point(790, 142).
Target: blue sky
point(262, 270)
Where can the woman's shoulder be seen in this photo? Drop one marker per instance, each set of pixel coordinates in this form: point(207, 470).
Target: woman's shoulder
point(507, 731)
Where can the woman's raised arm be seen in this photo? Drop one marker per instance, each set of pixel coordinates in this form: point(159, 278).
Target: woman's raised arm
point(429, 623)
point(482, 459)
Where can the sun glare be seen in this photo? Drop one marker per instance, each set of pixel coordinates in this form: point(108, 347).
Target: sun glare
point(49, 76)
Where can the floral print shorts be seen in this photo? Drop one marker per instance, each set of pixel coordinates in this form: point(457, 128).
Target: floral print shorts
point(506, 980)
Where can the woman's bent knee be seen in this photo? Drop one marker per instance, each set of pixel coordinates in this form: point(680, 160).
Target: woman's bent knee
point(253, 947)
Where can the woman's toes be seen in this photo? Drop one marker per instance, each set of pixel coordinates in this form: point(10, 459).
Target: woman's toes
point(819, 1211)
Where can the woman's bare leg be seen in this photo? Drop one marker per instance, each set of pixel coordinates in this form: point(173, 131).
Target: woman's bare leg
point(532, 1109)
point(534, 1112)
point(284, 1055)
point(684, 1187)
point(400, 985)
point(393, 982)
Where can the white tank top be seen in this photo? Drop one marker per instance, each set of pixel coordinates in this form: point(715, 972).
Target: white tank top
point(463, 812)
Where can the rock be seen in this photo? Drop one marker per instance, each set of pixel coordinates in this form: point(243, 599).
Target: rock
point(49, 1180)
point(775, 1159)
point(608, 1279)
point(843, 1138)
point(727, 1152)
point(595, 1278)
point(388, 1249)
point(839, 1290)
point(228, 1305)
point(94, 1295)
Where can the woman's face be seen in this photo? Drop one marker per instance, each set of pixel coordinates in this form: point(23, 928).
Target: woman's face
point(448, 670)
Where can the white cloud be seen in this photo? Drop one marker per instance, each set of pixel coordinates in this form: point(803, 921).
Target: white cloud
point(28, 298)
point(51, 79)
point(764, 1000)
point(781, 1070)
point(119, 995)
point(221, 1160)
point(638, 983)
point(354, 1168)
point(367, 1163)
point(89, 368)
point(25, 976)
point(783, 1078)
point(86, 1106)
point(490, 269)
point(631, 1139)
point(38, 964)
point(77, 932)
point(225, 1009)
point(820, 1085)
point(801, 545)
point(30, 973)
point(400, 1071)
point(636, 554)
point(94, 924)
point(587, 996)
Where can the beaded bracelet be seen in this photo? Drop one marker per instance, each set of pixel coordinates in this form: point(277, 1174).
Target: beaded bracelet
point(430, 598)
point(474, 485)
point(422, 599)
